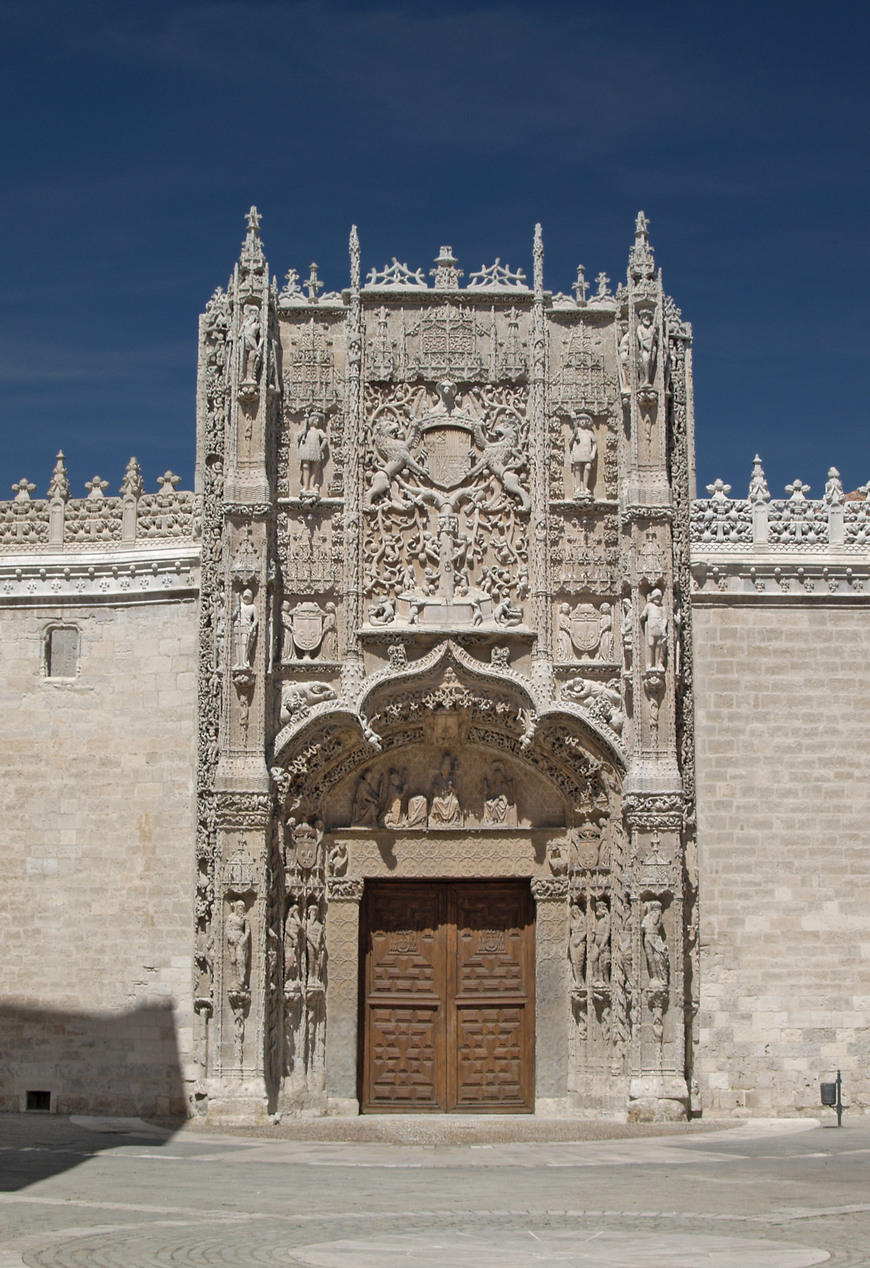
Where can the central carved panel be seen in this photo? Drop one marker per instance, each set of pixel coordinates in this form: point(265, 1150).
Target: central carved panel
point(446, 506)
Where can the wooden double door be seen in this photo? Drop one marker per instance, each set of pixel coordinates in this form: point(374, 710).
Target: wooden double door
point(447, 1003)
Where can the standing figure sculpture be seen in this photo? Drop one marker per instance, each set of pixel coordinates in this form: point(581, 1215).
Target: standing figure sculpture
point(238, 936)
point(654, 944)
point(654, 621)
point(250, 343)
point(577, 945)
point(599, 954)
point(247, 623)
point(647, 344)
point(584, 449)
point(312, 446)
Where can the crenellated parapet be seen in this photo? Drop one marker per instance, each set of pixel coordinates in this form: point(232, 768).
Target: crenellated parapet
point(790, 547)
point(99, 548)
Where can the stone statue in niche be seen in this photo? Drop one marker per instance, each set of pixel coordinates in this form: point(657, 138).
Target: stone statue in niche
point(444, 808)
point(238, 935)
point(583, 452)
point(246, 626)
point(250, 343)
point(308, 630)
point(655, 946)
point(312, 446)
point(367, 801)
point(624, 358)
point(499, 799)
point(563, 632)
point(599, 952)
point(294, 938)
point(647, 348)
point(315, 943)
point(650, 563)
point(654, 621)
point(577, 945)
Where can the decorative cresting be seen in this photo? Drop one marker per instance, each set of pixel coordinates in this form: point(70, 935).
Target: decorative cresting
point(444, 635)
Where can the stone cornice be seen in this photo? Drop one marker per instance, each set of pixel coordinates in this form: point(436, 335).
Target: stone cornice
point(133, 575)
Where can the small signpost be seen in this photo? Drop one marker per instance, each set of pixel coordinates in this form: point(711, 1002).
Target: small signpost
point(832, 1095)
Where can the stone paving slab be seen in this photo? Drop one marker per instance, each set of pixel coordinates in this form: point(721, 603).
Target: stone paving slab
point(766, 1195)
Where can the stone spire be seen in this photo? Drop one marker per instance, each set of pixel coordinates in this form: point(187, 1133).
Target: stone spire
point(252, 261)
point(58, 488)
point(758, 490)
point(640, 259)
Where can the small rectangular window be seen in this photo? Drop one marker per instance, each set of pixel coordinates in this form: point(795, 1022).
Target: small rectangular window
point(40, 1102)
point(62, 653)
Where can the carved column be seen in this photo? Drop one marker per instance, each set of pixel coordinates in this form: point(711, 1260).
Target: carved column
point(352, 672)
point(551, 992)
point(542, 668)
point(653, 793)
point(342, 998)
point(241, 782)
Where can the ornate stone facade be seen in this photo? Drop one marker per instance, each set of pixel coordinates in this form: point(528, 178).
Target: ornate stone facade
point(439, 536)
point(448, 562)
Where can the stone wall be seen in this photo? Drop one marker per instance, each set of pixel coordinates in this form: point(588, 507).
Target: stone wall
point(96, 864)
point(783, 804)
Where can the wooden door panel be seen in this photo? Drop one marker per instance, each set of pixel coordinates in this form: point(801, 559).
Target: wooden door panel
point(448, 1006)
point(491, 935)
point(490, 1050)
point(405, 1058)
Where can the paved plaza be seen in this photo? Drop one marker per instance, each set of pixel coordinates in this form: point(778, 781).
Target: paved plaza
point(113, 1193)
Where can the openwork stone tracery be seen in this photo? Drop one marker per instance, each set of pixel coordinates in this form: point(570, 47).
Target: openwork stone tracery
point(444, 559)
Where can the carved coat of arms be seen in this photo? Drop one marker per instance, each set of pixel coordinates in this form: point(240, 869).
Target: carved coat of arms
point(307, 625)
point(585, 628)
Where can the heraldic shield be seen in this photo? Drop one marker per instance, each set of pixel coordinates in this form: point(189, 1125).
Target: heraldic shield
point(307, 626)
point(585, 626)
point(450, 454)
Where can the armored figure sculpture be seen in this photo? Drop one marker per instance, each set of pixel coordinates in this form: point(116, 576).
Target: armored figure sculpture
point(584, 448)
point(654, 620)
point(247, 623)
point(312, 446)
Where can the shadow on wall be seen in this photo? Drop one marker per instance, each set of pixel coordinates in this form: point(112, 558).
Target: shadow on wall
point(118, 1064)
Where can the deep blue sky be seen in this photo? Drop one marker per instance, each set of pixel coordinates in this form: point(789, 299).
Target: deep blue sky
point(137, 134)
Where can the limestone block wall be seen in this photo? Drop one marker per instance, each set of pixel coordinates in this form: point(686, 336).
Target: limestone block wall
point(783, 753)
point(96, 857)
